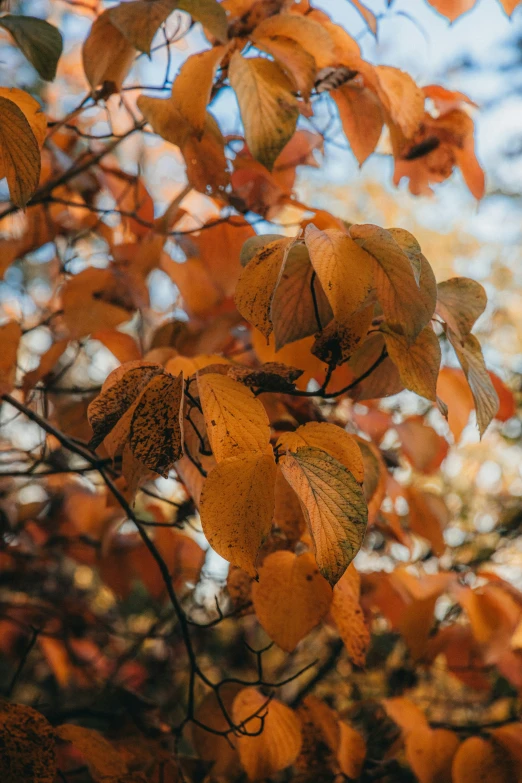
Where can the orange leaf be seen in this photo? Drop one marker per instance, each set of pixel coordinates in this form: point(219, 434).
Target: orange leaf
point(279, 741)
point(290, 581)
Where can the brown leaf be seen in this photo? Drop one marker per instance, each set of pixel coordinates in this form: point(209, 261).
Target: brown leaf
point(105, 762)
point(26, 745)
point(107, 55)
point(139, 20)
point(460, 301)
point(479, 758)
point(20, 153)
point(10, 335)
point(258, 280)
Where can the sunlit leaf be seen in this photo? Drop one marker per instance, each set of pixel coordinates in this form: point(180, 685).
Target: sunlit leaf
point(333, 505)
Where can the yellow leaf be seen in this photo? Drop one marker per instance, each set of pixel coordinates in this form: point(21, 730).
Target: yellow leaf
point(139, 20)
point(309, 34)
point(20, 153)
point(333, 505)
point(27, 741)
point(256, 285)
point(469, 354)
point(460, 301)
point(430, 754)
point(348, 616)
point(330, 438)
point(277, 729)
point(288, 514)
point(479, 759)
point(268, 106)
point(107, 54)
point(199, 69)
point(236, 420)
point(351, 752)
point(419, 363)
point(290, 598)
point(10, 334)
point(405, 308)
point(237, 506)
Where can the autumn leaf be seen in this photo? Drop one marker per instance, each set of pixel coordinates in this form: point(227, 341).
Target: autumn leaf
point(198, 69)
point(299, 65)
point(469, 354)
point(47, 362)
point(352, 751)
point(94, 299)
point(10, 335)
point(333, 505)
point(258, 280)
point(139, 20)
point(19, 148)
point(299, 305)
point(460, 301)
point(330, 438)
point(481, 758)
point(105, 762)
point(344, 269)
point(418, 364)
point(361, 116)
point(26, 743)
point(267, 103)
point(107, 54)
point(237, 506)
point(303, 30)
point(348, 616)
point(430, 753)
point(277, 745)
point(401, 97)
point(404, 308)
point(40, 42)
point(287, 580)
point(236, 420)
